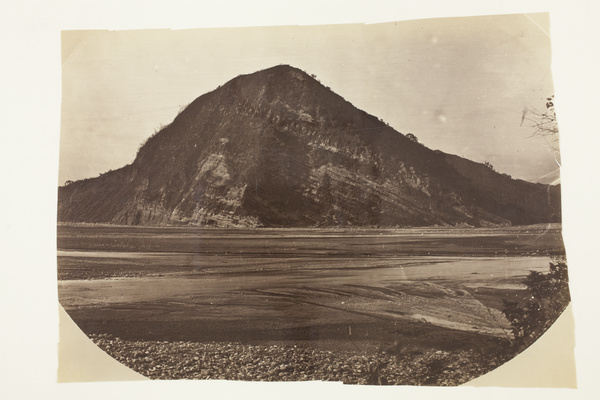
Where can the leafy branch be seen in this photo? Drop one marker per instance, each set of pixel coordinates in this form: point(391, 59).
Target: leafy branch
point(544, 122)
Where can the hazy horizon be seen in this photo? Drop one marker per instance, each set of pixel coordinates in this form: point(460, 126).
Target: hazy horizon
point(458, 84)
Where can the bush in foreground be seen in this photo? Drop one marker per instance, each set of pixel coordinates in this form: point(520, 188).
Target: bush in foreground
point(548, 296)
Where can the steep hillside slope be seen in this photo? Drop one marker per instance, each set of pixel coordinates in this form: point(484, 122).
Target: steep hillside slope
point(277, 148)
point(516, 200)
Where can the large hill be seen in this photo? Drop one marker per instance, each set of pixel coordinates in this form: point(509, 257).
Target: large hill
point(277, 148)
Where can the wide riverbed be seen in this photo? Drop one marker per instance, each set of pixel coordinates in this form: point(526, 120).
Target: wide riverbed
point(294, 285)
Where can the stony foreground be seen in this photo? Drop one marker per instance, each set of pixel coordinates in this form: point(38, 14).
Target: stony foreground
point(243, 362)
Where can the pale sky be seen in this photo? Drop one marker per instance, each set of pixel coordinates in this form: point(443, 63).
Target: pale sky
point(458, 84)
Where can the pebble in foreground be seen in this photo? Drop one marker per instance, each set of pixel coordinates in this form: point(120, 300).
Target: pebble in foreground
point(243, 362)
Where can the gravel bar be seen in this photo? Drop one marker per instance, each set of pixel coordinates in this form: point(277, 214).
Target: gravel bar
point(276, 362)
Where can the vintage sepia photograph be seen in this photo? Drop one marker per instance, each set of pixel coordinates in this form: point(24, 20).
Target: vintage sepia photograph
point(370, 204)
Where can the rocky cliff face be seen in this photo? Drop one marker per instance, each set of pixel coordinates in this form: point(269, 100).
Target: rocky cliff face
point(277, 148)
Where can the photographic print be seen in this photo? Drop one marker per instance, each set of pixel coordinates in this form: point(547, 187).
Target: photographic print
point(370, 204)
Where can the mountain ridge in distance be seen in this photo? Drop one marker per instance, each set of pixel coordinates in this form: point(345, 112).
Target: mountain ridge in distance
point(278, 149)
